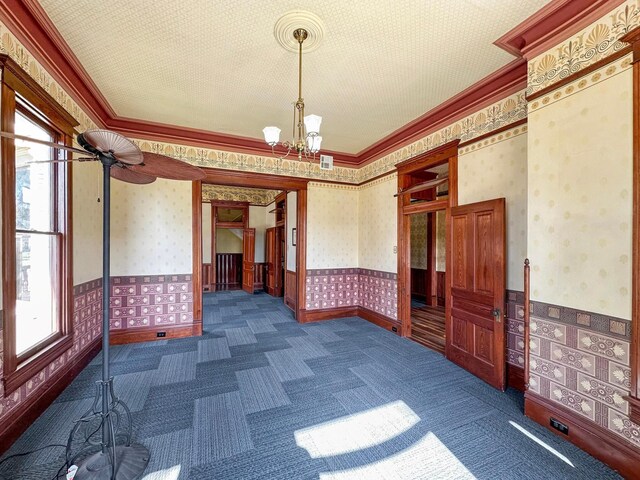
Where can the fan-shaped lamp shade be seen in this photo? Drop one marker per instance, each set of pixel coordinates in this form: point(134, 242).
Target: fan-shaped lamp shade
point(314, 142)
point(271, 135)
point(104, 141)
point(166, 167)
point(312, 124)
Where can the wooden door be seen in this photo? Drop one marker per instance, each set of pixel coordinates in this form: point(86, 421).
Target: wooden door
point(279, 262)
point(248, 258)
point(271, 260)
point(476, 283)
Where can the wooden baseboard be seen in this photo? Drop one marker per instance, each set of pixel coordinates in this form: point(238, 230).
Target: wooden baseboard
point(379, 319)
point(35, 405)
point(133, 335)
point(307, 316)
point(515, 377)
point(592, 438)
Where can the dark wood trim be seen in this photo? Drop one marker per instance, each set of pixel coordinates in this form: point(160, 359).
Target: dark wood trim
point(515, 377)
point(148, 334)
point(592, 438)
point(306, 316)
point(323, 314)
point(301, 251)
point(429, 159)
point(35, 405)
point(20, 81)
point(19, 92)
point(633, 37)
point(196, 246)
point(218, 176)
point(37, 362)
point(579, 74)
point(492, 133)
point(446, 153)
point(527, 321)
point(380, 320)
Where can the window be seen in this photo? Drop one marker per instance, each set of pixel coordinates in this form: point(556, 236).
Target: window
point(36, 228)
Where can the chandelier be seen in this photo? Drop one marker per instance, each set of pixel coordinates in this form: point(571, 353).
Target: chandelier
point(306, 130)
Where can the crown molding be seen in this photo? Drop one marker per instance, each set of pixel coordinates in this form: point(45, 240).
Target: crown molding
point(553, 23)
point(30, 24)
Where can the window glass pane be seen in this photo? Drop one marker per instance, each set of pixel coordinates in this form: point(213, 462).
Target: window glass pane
point(230, 214)
point(36, 316)
point(34, 182)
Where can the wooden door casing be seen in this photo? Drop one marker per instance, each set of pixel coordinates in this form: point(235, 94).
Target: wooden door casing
point(248, 258)
point(475, 337)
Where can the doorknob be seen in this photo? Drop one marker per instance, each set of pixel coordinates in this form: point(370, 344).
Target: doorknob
point(496, 313)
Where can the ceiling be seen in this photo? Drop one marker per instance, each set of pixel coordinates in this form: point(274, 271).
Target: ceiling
point(217, 66)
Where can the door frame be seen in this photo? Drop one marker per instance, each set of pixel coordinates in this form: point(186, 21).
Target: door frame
point(219, 176)
point(447, 153)
point(215, 225)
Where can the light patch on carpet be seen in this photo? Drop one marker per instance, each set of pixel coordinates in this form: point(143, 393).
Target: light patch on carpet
point(427, 458)
point(357, 431)
point(541, 443)
point(172, 473)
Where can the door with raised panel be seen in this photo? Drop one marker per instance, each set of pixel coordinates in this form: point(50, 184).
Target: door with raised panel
point(476, 270)
point(248, 258)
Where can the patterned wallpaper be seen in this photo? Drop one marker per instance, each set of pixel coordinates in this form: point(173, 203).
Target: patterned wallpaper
point(514, 324)
point(419, 241)
point(377, 225)
point(590, 45)
point(87, 222)
point(87, 326)
point(580, 360)
point(419, 223)
point(255, 196)
point(493, 168)
point(151, 228)
point(332, 226)
point(579, 197)
point(343, 287)
point(150, 301)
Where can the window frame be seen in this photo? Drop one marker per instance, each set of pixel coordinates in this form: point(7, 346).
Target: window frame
point(21, 93)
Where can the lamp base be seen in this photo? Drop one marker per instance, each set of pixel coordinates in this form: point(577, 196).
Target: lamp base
point(131, 462)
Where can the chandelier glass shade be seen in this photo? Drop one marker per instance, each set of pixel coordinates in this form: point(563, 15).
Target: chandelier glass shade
point(306, 129)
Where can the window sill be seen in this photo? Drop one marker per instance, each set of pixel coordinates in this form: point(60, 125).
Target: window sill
point(30, 367)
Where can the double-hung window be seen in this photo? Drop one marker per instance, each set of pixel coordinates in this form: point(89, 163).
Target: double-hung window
point(37, 279)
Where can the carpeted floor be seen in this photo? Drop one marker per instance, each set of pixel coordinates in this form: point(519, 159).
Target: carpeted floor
point(259, 396)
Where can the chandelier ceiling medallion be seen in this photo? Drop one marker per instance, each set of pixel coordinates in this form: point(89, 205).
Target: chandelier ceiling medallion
point(306, 139)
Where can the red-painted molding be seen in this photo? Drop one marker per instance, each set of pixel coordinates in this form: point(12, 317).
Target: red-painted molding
point(503, 82)
point(552, 24)
point(203, 138)
point(28, 21)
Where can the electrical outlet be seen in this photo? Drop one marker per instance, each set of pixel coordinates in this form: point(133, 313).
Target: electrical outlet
point(394, 329)
point(161, 334)
point(395, 249)
point(561, 427)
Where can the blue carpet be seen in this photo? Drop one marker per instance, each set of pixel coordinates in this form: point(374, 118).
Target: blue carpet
point(259, 396)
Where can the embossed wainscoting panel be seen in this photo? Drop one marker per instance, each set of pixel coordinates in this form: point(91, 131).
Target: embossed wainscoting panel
point(140, 305)
point(260, 396)
point(26, 403)
point(580, 362)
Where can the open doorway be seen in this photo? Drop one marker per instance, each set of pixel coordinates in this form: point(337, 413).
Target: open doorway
point(249, 241)
point(428, 266)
